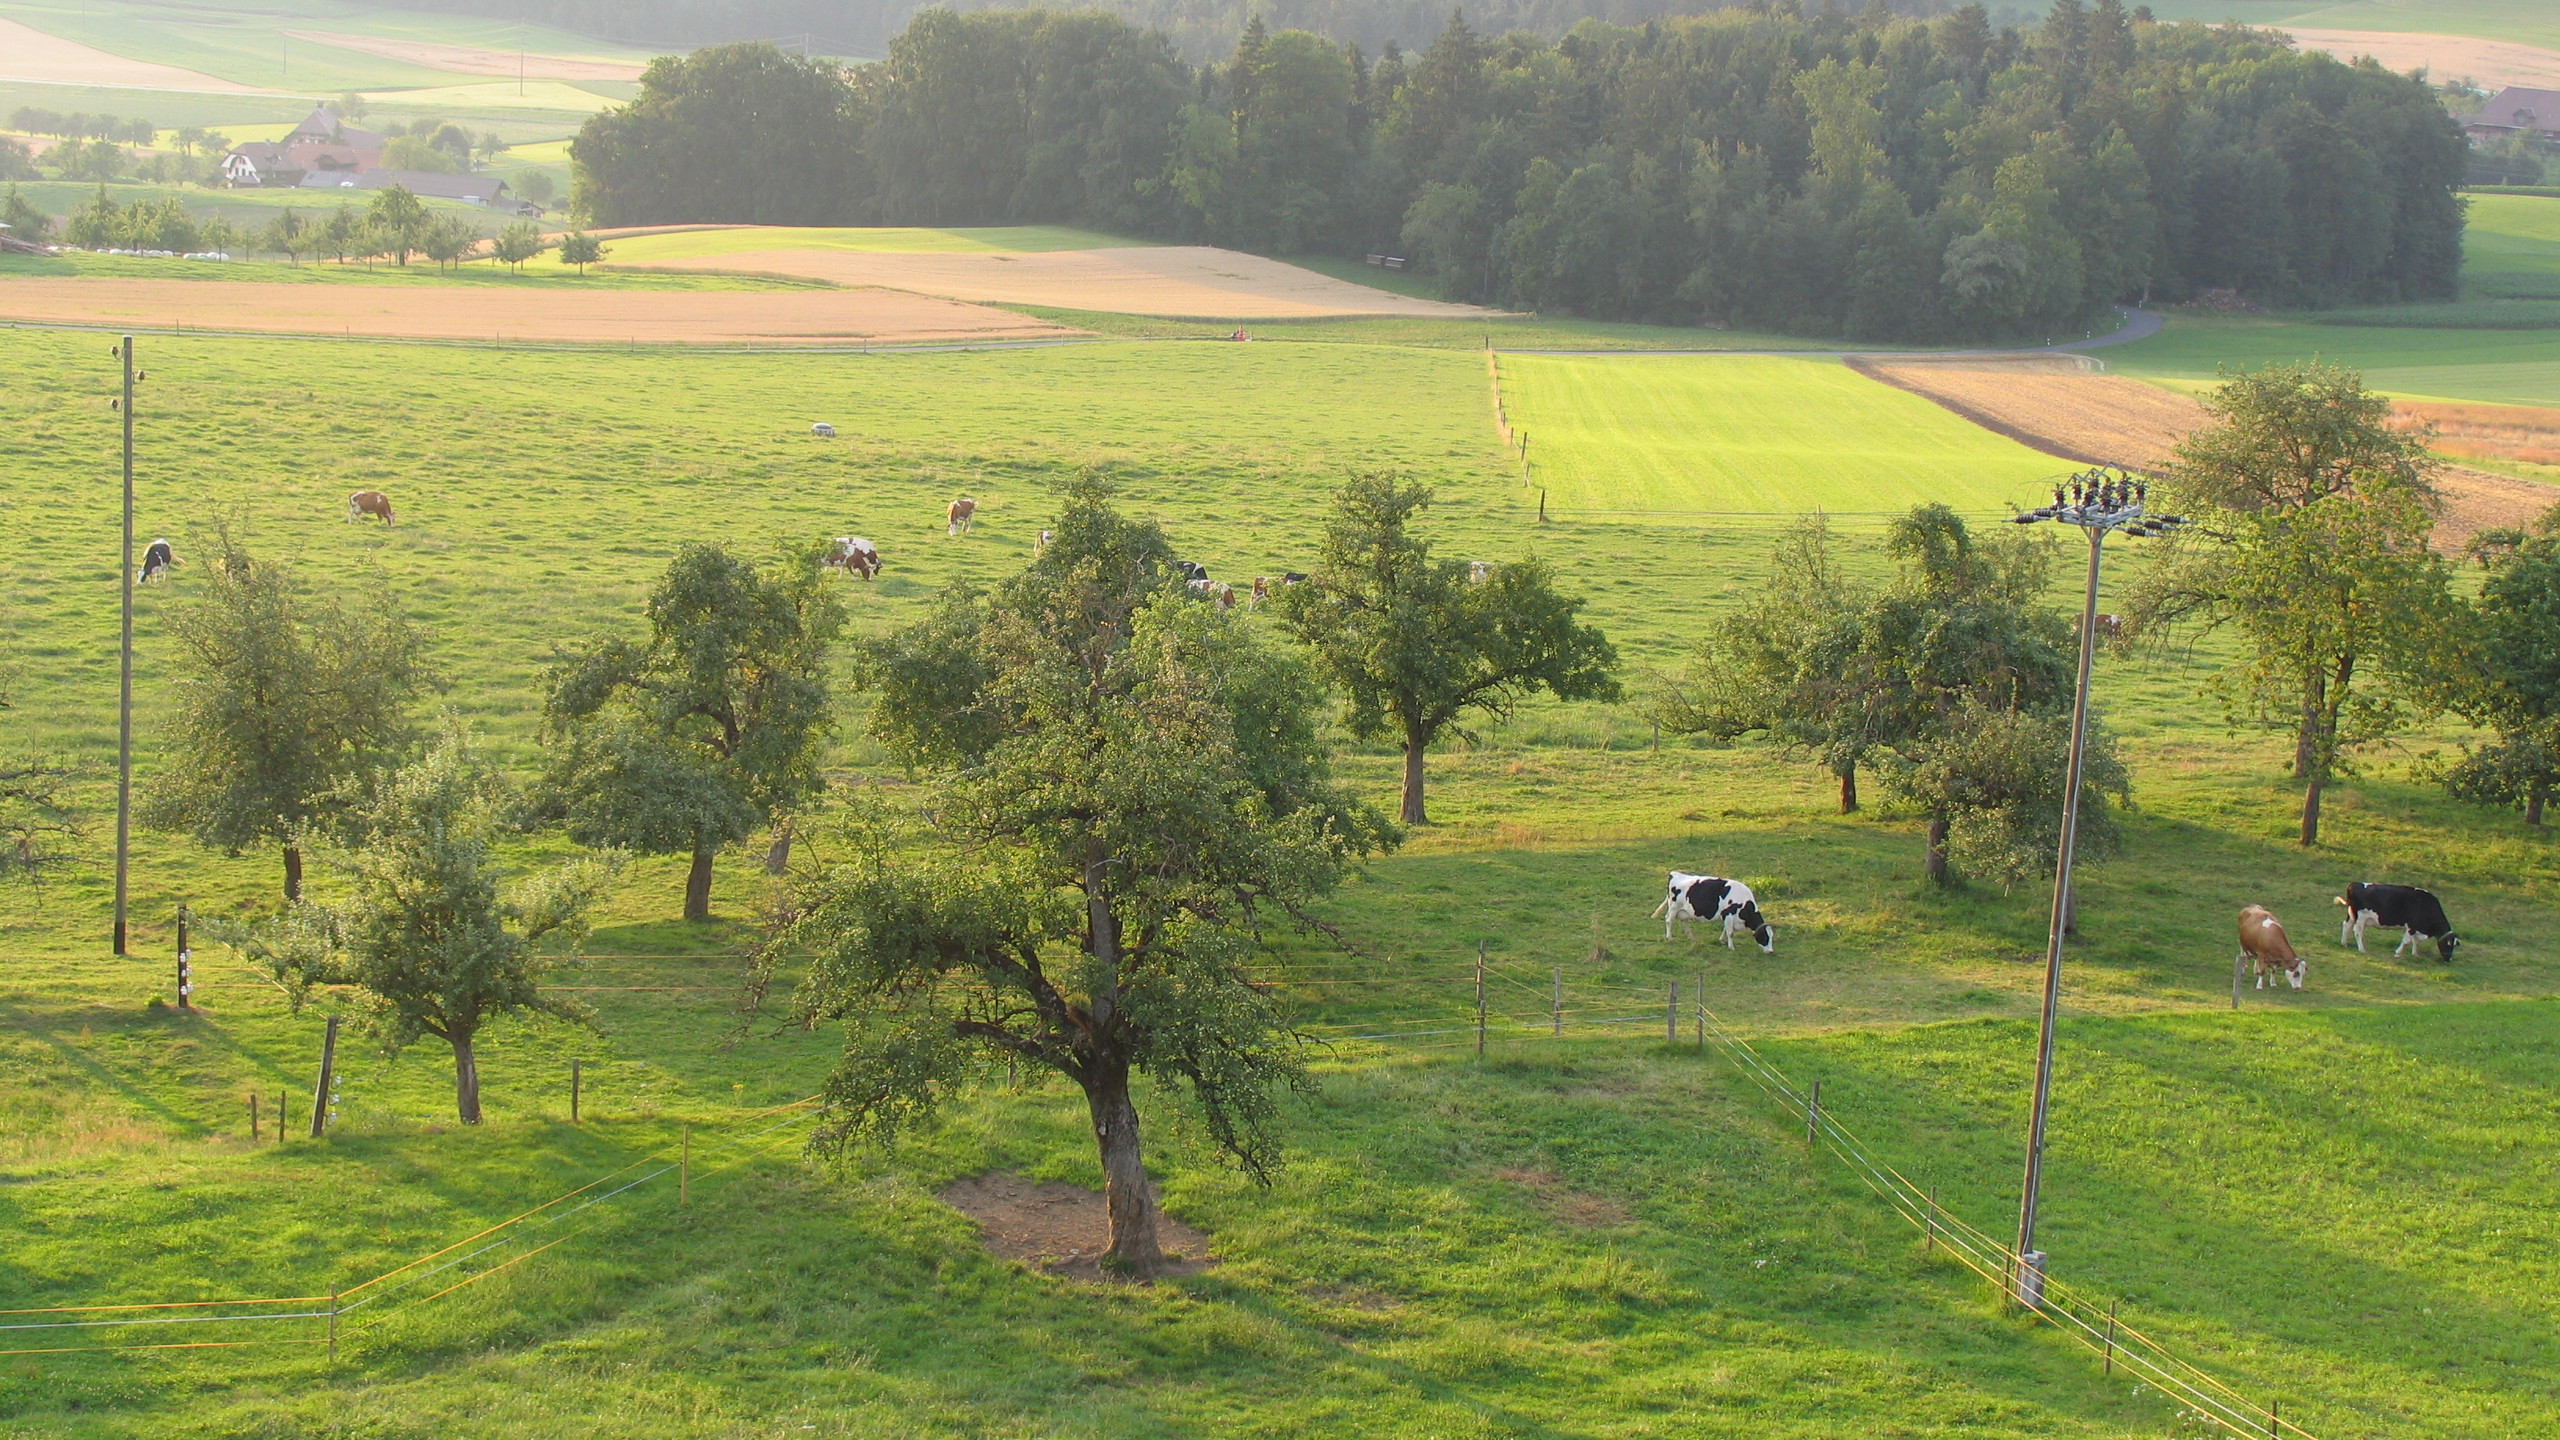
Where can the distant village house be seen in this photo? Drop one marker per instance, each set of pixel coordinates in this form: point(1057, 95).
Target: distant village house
point(2514, 111)
point(325, 153)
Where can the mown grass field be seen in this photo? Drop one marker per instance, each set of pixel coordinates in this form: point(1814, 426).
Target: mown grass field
point(2339, 1199)
point(1655, 439)
point(2499, 367)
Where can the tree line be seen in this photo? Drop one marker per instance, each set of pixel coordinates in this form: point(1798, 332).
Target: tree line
point(1878, 179)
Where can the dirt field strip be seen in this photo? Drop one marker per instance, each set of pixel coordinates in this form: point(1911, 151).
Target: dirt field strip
point(2491, 63)
point(1176, 281)
point(2046, 402)
point(30, 54)
point(599, 316)
point(472, 60)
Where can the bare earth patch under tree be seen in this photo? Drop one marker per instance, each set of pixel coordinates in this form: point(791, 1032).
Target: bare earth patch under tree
point(1062, 1229)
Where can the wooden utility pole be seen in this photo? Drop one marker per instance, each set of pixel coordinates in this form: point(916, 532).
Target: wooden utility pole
point(573, 1092)
point(124, 693)
point(320, 1091)
point(186, 980)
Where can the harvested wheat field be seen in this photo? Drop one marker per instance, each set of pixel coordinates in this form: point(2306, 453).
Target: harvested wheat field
point(598, 316)
point(31, 54)
point(472, 60)
point(2449, 57)
point(2050, 403)
point(1183, 281)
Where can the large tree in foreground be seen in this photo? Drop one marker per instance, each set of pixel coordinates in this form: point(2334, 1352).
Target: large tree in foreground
point(426, 938)
point(686, 741)
point(287, 699)
point(1123, 788)
point(2312, 519)
point(1415, 646)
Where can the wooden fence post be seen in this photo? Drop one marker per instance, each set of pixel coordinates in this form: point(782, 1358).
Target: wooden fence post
point(320, 1092)
point(1813, 1114)
point(573, 1091)
point(257, 1132)
point(2111, 1335)
point(1479, 999)
point(1558, 1002)
point(1671, 1017)
point(2236, 962)
point(684, 1170)
point(1929, 1224)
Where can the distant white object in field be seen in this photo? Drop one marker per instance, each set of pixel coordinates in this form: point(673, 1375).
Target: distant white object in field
point(823, 430)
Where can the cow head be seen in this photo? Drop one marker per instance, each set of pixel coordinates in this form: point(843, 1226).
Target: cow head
point(2446, 944)
point(2300, 972)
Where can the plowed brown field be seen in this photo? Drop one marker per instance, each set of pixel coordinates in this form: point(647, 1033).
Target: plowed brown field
point(470, 312)
point(2048, 402)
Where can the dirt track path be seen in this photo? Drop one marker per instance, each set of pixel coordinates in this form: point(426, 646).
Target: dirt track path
point(458, 312)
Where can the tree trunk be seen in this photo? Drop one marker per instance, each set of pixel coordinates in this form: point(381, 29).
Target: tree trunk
point(697, 887)
point(1936, 865)
point(466, 1082)
point(1412, 813)
point(2533, 806)
point(292, 873)
point(1849, 789)
point(2306, 737)
point(777, 858)
point(1125, 1193)
point(2311, 810)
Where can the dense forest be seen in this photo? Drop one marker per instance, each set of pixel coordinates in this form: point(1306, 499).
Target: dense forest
point(1199, 29)
point(1879, 178)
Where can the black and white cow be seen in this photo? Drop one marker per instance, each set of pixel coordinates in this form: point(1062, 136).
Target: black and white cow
point(2417, 914)
point(1192, 571)
point(1712, 897)
point(157, 560)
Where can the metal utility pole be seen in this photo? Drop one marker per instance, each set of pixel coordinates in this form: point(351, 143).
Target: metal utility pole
point(124, 695)
point(2102, 503)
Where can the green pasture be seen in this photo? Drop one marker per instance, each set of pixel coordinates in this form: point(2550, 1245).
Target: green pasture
point(875, 240)
point(1655, 438)
point(249, 46)
point(246, 208)
point(2337, 1199)
point(2499, 367)
point(2511, 246)
point(2525, 21)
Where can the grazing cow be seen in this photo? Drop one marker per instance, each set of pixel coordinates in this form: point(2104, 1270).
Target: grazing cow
point(1261, 592)
point(2417, 913)
point(2264, 946)
point(1712, 897)
point(823, 430)
point(1294, 577)
point(158, 559)
point(1043, 546)
point(958, 516)
point(855, 554)
point(1193, 571)
point(2110, 627)
point(370, 502)
point(1479, 571)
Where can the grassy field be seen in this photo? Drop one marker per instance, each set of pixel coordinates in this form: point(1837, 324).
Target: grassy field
point(2339, 1199)
point(1655, 438)
point(2511, 246)
point(2500, 367)
point(250, 46)
point(2524, 21)
point(545, 271)
point(875, 240)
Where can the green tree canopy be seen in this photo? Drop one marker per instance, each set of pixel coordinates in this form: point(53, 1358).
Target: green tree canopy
point(2510, 678)
point(287, 699)
point(1124, 788)
point(425, 936)
point(716, 722)
point(398, 220)
point(1415, 645)
point(2312, 521)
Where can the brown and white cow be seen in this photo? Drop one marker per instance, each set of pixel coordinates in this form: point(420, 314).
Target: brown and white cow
point(854, 554)
point(369, 502)
point(958, 516)
point(2269, 953)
